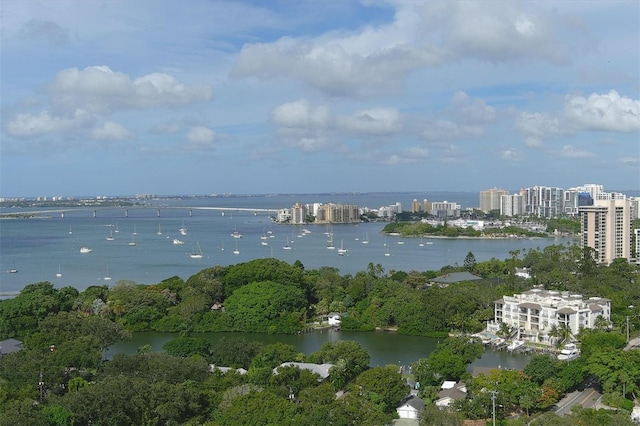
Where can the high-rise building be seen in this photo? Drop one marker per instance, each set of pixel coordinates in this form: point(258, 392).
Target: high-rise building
point(426, 206)
point(490, 199)
point(298, 213)
point(445, 209)
point(511, 205)
point(543, 201)
point(415, 206)
point(606, 227)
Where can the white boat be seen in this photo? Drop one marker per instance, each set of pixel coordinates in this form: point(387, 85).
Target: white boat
point(133, 241)
point(134, 230)
point(117, 230)
point(85, 250)
point(110, 237)
point(177, 242)
point(13, 270)
point(264, 243)
point(342, 251)
point(236, 234)
point(569, 352)
point(70, 231)
point(366, 238)
point(159, 230)
point(286, 246)
point(196, 254)
point(107, 277)
point(514, 345)
point(183, 229)
point(236, 251)
point(59, 273)
point(400, 242)
point(387, 252)
point(330, 245)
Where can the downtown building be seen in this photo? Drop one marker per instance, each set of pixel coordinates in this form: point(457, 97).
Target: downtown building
point(606, 227)
point(337, 213)
point(511, 205)
point(490, 199)
point(543, 201)
point(445, 209)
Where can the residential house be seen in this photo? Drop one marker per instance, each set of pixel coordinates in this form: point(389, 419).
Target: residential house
point(411, 408)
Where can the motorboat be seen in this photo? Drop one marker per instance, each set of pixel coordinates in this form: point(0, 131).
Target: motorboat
point(569, 352)
point(85, 250)
point(515, 345)
point(177, 242)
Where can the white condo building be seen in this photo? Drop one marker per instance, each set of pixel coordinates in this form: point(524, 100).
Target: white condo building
point(606, 227)
point(511, 205)
point(535, 312)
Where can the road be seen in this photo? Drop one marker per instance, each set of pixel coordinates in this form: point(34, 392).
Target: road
point(588, 398)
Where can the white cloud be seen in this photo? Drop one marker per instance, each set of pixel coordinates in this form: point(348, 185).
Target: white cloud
point(470, 111)
point(379, 121)
point(111, 131)
point(630, 160)
point(511, 154)
point(445, 130)
point(569, 151)
point(300, 114)
point(536, 127)
point(200, 136)
point(609, 112)
point(499, 31)
point(100, 90)
point(29, 125)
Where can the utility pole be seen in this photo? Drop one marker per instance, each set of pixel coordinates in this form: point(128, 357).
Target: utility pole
point(493, 404)
point(627, 328)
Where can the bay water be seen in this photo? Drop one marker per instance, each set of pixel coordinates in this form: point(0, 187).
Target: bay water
point(43, 248)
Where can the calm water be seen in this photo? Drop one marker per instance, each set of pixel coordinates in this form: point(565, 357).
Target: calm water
point(384, 348)
point(41, 248)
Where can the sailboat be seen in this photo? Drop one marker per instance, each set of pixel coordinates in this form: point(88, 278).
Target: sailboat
point(117, 230)
point(110, 237)
point(70, 231)
point(330, 245)
point(287, 246)
point(159, 230)
point(107, 277)
point(196, 254)
point(13, 270)
point(236, 251)
point(134, 230)
point(59, 273)
point(183, 229)
point(342, 251)
point(133, 241)
point(387, 252)
point(366, 238)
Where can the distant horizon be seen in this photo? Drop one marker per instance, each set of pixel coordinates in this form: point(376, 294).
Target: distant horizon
point(627, 192)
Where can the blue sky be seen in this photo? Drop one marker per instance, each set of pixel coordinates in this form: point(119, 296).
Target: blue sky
point(204, 97)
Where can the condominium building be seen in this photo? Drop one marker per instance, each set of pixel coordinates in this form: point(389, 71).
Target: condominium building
point(445, 209)
point(415, 206)
point(338, 213)
point(298, 213)
point(490, 199)
point(606, 227)
point(543, 201)
point(511, 205)
point(534, 313)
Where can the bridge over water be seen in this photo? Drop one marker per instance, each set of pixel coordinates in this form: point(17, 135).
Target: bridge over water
point(62, 211)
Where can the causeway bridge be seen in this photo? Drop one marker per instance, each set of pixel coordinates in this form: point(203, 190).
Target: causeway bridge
point(94, 211)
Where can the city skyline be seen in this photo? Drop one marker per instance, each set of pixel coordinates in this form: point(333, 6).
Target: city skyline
point(373, 96)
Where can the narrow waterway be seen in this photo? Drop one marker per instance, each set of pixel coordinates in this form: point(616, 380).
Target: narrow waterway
point(385, 348)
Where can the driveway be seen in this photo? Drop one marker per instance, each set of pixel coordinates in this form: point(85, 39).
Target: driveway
point(588, 398)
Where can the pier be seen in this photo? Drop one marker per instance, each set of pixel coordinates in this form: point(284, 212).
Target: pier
point(32, 214)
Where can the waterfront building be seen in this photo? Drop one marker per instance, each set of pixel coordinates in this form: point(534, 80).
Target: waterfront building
point(426, 206)
point(606, 227)
point(338, 213)
point(534, 313)
point(415, 206)
point(543, 201)
point(490, 199)
point(445, 209)
point(298, 214)
point(511, 205)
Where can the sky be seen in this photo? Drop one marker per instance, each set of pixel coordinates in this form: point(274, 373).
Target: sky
point(253, 97)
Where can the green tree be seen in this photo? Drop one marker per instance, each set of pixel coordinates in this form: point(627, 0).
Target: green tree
point(470, 262)
point(384, 382)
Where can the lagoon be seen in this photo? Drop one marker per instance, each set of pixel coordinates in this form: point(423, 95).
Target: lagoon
point(384, 347)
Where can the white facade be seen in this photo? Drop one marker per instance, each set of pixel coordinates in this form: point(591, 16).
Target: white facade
point(534, 313)
point(511, 205)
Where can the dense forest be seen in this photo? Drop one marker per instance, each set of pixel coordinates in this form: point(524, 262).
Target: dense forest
point(65, 332)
